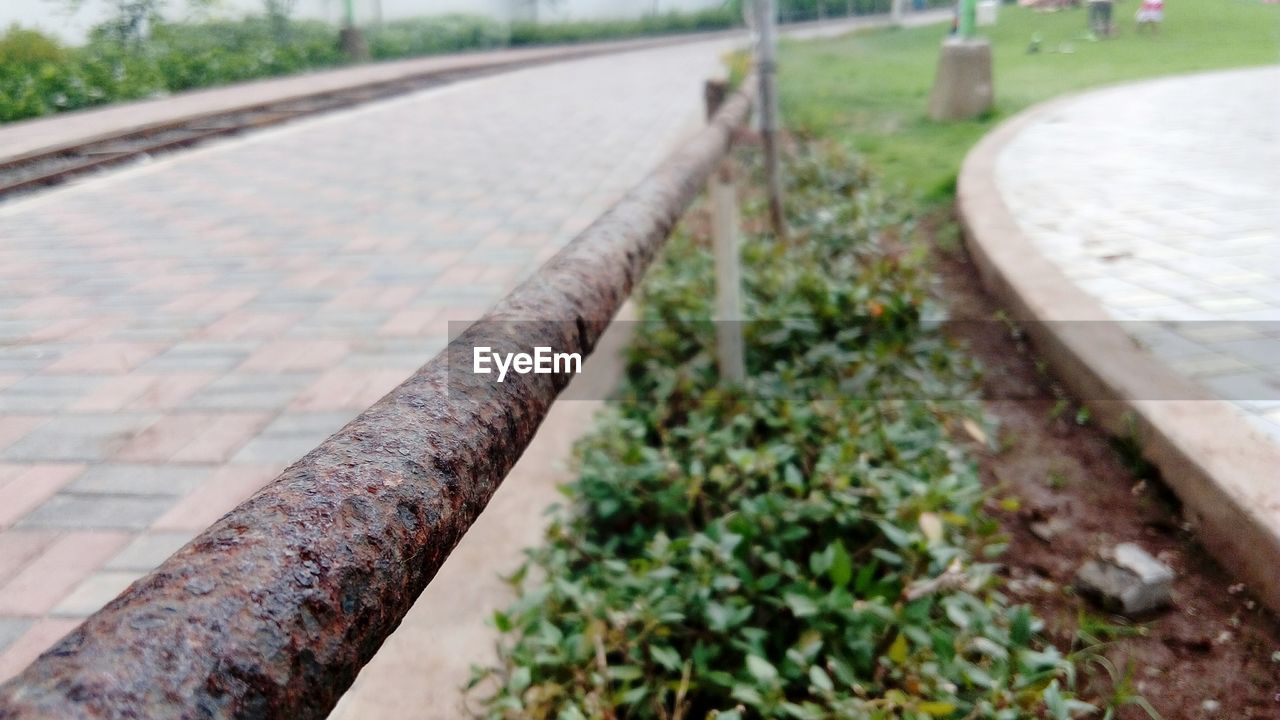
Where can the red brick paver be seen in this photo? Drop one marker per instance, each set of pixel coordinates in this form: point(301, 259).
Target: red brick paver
point(36, 589)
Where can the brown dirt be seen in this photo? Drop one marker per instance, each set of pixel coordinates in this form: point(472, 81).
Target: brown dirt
point(1215, 644)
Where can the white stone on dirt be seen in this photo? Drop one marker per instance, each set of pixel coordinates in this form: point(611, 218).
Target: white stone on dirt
point(1127, 579)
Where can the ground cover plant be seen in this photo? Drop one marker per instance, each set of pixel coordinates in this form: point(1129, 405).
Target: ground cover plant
point(871, 89)
point(809, 545)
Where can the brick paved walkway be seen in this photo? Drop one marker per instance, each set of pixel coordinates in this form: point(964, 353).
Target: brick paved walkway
point(1162, 200)
point(172, 336)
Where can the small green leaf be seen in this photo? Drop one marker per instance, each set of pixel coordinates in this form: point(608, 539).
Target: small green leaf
point(895, 534)
point(1056, 705)
point(899, 649)
point(936, 708)
point(501, 621)
point(520, 679)
point(820, 679)
point(665, 656)
point(800, 605)
point(841, 571)
point(1020, 628)
point(761, 669)
point(625, 672)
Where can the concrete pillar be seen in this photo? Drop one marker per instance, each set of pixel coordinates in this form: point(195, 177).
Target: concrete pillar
point(351, 40)
point(963, 88)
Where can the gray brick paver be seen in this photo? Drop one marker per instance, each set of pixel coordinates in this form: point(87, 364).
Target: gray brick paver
point(148, 550)
point(138, 479)
point(97, 512)
point(1160, 200)
point(12, 628)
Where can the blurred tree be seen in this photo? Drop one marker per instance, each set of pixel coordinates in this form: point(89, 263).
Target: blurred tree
point(279, 12)
point(130, 20)
point(531, 7)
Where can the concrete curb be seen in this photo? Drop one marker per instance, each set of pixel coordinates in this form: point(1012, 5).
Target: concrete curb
point(1224, 472)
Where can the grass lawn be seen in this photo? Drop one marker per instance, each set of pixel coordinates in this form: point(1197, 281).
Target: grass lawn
point(872, 88)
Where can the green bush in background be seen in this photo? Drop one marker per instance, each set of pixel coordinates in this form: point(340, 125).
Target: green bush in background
point(428, 36)
point(194, 55)
point(130, 57)
point(39, 75)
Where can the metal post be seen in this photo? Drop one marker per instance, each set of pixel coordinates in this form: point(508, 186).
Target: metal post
point(767, 21)
point(350, 37)
point(896, 9)
point(968, 18)
point(730, 349)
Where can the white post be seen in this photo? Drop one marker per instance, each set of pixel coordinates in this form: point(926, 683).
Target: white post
point(896, 11)
point(730, 350)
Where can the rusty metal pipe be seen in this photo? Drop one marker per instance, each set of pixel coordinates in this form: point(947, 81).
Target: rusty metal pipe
point(272, 610)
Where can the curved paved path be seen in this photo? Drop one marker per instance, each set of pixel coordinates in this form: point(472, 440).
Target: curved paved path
point(1162, 201)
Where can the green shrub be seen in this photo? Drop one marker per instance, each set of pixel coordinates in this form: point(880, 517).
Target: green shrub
point(38, 76)
point(426, 36)
point(193, 55)
point(811, 545)
point(31, 70)
point(27, 48)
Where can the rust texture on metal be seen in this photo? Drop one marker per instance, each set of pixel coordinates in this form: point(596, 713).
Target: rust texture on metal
point(272, 611)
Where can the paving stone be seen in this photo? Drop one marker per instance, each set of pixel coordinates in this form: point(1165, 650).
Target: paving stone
point(97, 512)
point(45, 393)
point(1244, 386)
point(60, 567)
point(27, 357)
point(148, 550)
point(12, 628)
point(1259, 352)
point(97, 590)
point(87, 437)
point(202, 356)
point(19, 547)
point(250, 391)
point(219, 493)
point(26, 486)
point(32, 643)
point(193, 437)
point(136, 479)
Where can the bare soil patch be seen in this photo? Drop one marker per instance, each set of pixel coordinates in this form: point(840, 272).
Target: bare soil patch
point(1214, 653)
